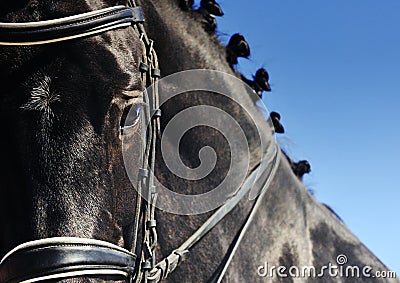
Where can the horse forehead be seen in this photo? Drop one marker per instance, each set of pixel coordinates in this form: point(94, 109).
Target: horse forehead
point(125, 47)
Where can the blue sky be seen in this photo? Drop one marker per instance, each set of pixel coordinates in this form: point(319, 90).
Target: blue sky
point(334, 69)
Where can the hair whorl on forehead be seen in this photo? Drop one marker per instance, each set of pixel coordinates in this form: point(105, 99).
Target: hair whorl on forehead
point(42, 95)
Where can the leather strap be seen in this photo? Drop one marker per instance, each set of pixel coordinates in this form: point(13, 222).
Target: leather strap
point(78, 26)
point(60, 258)
point(260, 180)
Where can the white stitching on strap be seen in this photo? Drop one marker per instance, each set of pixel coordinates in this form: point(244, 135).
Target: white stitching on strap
point(64, 241)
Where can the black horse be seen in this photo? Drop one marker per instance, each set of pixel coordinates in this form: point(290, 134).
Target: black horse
point(62, 107)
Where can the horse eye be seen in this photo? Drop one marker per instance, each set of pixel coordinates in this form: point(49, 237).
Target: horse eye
point(131, 116)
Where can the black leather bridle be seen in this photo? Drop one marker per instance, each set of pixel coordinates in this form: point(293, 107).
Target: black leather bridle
point(67, 257)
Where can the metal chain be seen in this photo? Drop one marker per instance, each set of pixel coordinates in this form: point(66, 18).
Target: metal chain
point(146, 201)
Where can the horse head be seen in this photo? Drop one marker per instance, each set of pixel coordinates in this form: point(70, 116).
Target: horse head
point(62, 107)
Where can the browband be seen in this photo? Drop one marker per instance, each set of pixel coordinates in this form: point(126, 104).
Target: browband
point(65, 257)
point(77, 26)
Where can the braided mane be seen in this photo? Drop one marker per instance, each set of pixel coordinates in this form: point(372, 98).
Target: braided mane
point(206, 15)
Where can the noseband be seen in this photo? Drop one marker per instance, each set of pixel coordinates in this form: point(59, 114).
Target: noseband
point(59, 258)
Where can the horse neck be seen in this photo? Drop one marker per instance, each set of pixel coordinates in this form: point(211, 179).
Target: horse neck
point(182, 44)
point(289, 228)
point(181, 41)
